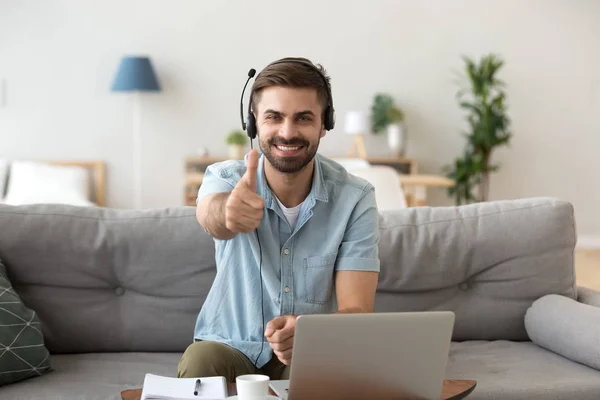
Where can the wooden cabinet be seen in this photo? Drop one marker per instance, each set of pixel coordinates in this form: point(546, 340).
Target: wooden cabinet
point(194, 173)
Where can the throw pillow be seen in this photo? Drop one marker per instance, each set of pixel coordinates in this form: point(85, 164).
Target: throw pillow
point(32, 182)
point(566, 327)
point(4, 164)
point(22, 351)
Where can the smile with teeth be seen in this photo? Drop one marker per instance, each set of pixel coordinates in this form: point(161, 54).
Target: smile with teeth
point(287, 148)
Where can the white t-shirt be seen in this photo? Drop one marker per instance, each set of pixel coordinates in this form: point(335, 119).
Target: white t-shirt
point(290, 213)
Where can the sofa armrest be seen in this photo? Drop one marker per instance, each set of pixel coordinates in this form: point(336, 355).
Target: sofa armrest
point(588, 296)
point(566, 327)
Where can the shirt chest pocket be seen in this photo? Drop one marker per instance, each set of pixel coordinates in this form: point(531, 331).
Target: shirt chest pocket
point(318, 278)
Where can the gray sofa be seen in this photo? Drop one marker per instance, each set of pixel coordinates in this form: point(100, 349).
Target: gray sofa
point(118, 291)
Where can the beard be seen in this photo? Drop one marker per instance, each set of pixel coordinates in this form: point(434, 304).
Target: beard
point(293, 164)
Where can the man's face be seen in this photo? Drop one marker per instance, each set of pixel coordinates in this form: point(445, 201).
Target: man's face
point(289, 126)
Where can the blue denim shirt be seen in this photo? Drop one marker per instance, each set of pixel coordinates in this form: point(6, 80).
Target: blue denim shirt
point(337, 229)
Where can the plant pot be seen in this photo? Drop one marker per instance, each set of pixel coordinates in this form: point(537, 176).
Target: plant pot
point(396, 139)
point(236, 152)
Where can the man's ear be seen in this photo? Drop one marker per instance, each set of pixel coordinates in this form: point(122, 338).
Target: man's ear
point(323, 131)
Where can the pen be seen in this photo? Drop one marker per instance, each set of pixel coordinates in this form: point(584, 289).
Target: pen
point(196, 387)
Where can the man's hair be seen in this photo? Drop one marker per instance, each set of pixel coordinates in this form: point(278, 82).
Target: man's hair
point(292, 75)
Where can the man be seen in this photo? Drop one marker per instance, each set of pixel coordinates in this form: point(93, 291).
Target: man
point(294, 233)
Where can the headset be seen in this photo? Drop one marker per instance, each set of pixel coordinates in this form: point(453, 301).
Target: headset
point(250, 127)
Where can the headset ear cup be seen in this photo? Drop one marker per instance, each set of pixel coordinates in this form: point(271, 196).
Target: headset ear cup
point(251, 126)
point(329, 118)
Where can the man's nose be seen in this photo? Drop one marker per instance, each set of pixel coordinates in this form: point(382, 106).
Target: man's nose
point(287, 128)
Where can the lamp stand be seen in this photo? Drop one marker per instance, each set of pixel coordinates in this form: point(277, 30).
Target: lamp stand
point(358, 146)
point(137, 152)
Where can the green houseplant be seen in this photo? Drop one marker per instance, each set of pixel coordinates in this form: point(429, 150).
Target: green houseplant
point(387, 117)
point(484, 101)
point(236, 140)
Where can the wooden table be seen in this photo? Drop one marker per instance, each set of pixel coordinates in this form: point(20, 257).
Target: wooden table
point(196, 166)
point(415, 186)
point(452, 390)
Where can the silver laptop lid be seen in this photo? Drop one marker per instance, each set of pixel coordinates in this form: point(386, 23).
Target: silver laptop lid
point(370, 356)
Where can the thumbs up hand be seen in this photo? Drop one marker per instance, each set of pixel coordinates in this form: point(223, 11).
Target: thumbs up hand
point(251, 169)
point(244, 207)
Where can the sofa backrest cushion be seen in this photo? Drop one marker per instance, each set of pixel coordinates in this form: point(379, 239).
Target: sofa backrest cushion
point(134, 280)
point(106, 279)
point(487, 262)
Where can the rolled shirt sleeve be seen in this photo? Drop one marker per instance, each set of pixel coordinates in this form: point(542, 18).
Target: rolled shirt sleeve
point(359, 250)
point(213, 182)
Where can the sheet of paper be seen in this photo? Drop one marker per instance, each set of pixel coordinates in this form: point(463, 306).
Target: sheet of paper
point(162, 387)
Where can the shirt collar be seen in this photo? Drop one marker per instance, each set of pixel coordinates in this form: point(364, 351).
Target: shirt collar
point(317, 192)
point(318, 188)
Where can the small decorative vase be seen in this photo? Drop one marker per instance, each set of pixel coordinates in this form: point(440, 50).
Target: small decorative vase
point(202, 152)
point(396, 139)
point(236, 152)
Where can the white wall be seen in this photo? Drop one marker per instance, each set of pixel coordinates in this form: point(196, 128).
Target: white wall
point(59, 58)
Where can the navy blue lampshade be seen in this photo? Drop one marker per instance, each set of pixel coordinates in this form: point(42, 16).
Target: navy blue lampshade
point(135, 73)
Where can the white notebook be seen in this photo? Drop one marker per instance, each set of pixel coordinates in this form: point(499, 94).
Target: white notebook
point(280, 387)
point(165, 388)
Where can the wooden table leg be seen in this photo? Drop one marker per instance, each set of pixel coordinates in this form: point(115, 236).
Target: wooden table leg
point(409, 195)
point(420, 196)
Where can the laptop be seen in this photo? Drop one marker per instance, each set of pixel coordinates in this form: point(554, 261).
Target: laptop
point(369, 356)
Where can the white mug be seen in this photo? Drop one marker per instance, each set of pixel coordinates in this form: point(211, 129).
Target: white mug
point(252, 387)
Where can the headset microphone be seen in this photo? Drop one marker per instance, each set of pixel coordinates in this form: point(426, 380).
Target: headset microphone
point(251, 74)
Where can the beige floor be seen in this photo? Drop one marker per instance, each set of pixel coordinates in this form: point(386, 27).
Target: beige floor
point(587, 268)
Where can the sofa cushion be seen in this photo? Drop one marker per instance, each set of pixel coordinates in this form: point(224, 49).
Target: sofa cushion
point(109, 280)
point(520, 370)
point(503, 370)
point(588, 296)
point(487, 262)
point(22, 351)
point(566, 327)
point(130, 280)
point(93, 376)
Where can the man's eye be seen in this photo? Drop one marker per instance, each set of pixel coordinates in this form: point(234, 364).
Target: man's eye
point(272, 116)
point(304, 118)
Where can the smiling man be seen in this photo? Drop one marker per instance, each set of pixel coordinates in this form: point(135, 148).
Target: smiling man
point(294, 232)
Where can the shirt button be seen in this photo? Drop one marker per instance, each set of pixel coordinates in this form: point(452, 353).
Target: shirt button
point(287, 289)
point(286, 252)
point(120, 291)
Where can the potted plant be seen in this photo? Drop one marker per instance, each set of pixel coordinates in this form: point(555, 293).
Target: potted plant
point(488, 122)
point(236, 140)
point(387, 117)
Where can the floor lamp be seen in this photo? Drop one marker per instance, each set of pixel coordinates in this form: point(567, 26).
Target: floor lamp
point(135, 74)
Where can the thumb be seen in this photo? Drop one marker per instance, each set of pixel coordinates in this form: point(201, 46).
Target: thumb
point(273, 325)
point(251, 168)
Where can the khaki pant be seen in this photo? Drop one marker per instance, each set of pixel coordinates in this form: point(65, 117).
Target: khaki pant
point(206, 358)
